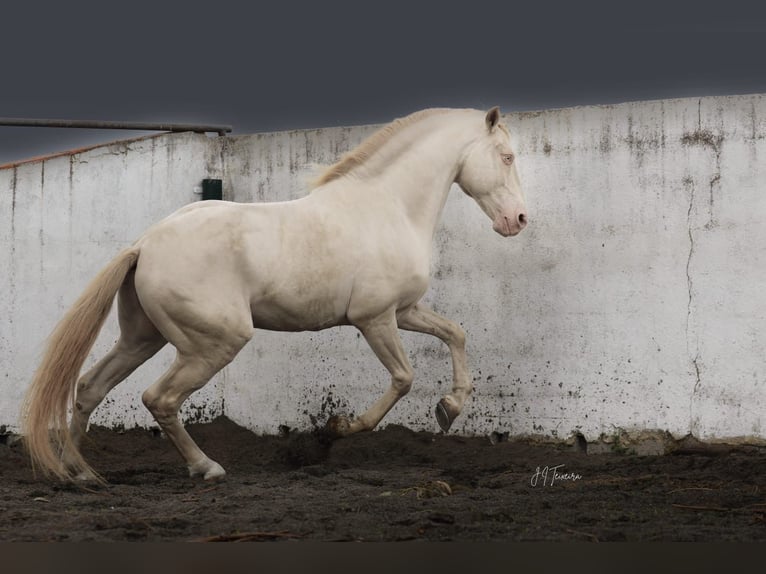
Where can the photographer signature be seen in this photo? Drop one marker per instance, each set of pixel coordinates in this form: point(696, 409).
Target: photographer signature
point(548, 475)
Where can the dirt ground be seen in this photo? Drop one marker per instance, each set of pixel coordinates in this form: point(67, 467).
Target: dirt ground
point(393, 484)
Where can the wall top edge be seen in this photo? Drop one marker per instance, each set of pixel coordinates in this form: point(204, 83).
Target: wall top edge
point(521, 114)
point(630, 103)
point(79, 150)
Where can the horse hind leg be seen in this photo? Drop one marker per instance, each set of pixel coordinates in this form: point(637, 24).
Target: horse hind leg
point(95, 384)
point(207, 338)
point(139, 340)
point(164, 399)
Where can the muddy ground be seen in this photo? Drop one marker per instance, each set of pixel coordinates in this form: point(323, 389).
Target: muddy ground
point(393, 484)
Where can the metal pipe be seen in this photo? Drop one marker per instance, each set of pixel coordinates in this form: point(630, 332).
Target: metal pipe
point(100, 125)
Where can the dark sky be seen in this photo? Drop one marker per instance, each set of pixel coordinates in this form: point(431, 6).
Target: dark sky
point(264, 66)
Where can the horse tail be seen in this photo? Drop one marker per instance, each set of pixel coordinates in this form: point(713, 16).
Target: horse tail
point(52, 392)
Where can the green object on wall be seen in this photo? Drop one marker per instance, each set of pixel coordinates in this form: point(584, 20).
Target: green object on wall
point(212, 189)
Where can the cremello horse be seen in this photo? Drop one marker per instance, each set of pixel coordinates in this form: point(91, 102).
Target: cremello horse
point(355, 251)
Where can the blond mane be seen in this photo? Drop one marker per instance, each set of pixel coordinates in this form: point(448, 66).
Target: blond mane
point(368, 147)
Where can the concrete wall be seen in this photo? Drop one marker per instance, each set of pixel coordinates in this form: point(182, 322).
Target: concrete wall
point(61, 220)
point(630, 303)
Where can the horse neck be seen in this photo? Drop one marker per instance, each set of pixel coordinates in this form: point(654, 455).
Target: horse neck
point(421, 173)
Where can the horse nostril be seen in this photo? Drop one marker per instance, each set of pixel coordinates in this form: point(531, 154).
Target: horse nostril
point(522, 219)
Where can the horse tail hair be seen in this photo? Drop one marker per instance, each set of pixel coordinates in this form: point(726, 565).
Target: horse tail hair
point(52, 392)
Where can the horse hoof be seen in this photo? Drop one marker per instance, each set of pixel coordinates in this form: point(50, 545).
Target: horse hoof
point(215, 474)
point(338, 426)
point(86, 477)
point(208, 470)
point(443, 416)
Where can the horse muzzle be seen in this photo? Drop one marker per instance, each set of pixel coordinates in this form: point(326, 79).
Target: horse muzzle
point(510, 225)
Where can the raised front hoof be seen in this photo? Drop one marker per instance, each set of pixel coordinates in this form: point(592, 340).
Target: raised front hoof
point(338, 426)
point(208, 470)
point(444, 416)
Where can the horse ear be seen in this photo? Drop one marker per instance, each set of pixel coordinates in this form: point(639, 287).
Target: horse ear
point(493, 116)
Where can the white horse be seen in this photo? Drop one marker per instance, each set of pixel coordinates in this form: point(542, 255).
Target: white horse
point(356, 251)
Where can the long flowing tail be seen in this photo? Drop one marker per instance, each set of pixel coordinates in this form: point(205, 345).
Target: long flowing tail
point(52, 392)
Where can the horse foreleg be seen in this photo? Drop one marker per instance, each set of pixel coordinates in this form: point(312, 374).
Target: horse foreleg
point(423, 320)
point(382, 336)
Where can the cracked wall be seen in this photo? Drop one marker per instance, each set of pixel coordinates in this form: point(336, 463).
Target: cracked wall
point(632, 302)
point(657, 211)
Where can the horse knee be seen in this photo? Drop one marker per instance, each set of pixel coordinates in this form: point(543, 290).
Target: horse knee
point(457, 336)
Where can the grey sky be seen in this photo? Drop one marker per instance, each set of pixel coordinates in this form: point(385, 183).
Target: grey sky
point(284, 65)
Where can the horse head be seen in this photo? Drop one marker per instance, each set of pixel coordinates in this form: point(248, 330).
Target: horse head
point(488, 175)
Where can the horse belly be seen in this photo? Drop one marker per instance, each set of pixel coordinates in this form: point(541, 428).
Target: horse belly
point(298, 294)
point(291, 312)
point(301, 269)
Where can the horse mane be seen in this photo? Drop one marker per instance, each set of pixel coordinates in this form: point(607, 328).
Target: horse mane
point(373, 143)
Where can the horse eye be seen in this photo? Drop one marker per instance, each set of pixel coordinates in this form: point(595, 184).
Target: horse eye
point(507, 158)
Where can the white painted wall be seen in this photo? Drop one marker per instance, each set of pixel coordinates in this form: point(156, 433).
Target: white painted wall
point(61, 220)
point(631, 302)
